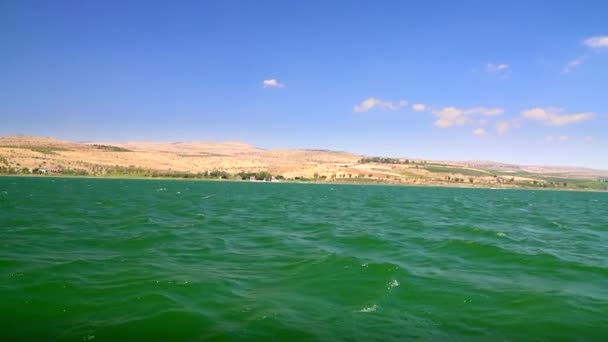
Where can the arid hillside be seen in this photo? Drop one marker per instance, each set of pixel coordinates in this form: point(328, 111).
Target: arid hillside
point(56, 156)
point(237, 160)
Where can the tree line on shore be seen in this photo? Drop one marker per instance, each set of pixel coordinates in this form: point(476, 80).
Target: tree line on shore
point(381, 160)
point(134, 171)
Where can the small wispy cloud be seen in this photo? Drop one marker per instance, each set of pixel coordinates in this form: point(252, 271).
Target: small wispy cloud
point(452, 116)
point(419, 107)
point(272, 83)
point(588, 138)
point(372, 102)
point(500, 70)
point(480, 132)
point(554, 116)
point(573, 64)
point(560, 138)
point(597, 42)
point(502, 127)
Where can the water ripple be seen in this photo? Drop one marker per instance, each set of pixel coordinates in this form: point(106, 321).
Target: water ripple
point(95, 259)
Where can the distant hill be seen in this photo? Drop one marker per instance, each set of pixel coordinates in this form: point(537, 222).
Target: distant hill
point(43, 155)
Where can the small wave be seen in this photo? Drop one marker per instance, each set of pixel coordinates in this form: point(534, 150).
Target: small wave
point(371, 308)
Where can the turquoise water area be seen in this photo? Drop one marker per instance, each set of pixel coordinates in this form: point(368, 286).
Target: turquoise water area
point(108, 259)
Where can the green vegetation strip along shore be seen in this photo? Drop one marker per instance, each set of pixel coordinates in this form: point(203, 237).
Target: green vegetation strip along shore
point(141, 173)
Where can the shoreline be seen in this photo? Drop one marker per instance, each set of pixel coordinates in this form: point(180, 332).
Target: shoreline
point(431, 185)
point(47, 157)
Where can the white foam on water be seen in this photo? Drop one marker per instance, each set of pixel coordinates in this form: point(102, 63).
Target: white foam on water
point(372, 308)
point(501, 234)
point(393, 283)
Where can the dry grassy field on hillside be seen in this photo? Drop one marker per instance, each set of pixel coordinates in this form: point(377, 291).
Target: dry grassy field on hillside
point(237, 160)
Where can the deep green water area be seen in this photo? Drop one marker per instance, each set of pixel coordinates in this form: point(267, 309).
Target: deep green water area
point(171, 260)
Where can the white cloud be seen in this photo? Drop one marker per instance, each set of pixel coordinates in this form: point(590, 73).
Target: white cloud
point(503, 127)
point(487, 111)
point(560, 138)
point(588, 138)
point(574, 63)
point(597, 42)
point(480, 132)
point(372, 102)
point(553, 116)
point(452, 116)
point(419, 107)
point(272, 83)
point(501, 70)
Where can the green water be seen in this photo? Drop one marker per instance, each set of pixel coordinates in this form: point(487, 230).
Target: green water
point(100, 259)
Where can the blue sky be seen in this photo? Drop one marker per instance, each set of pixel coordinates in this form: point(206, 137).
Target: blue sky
point(517, 81)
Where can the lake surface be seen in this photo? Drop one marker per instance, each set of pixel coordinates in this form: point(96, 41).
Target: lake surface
point(103, 259)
